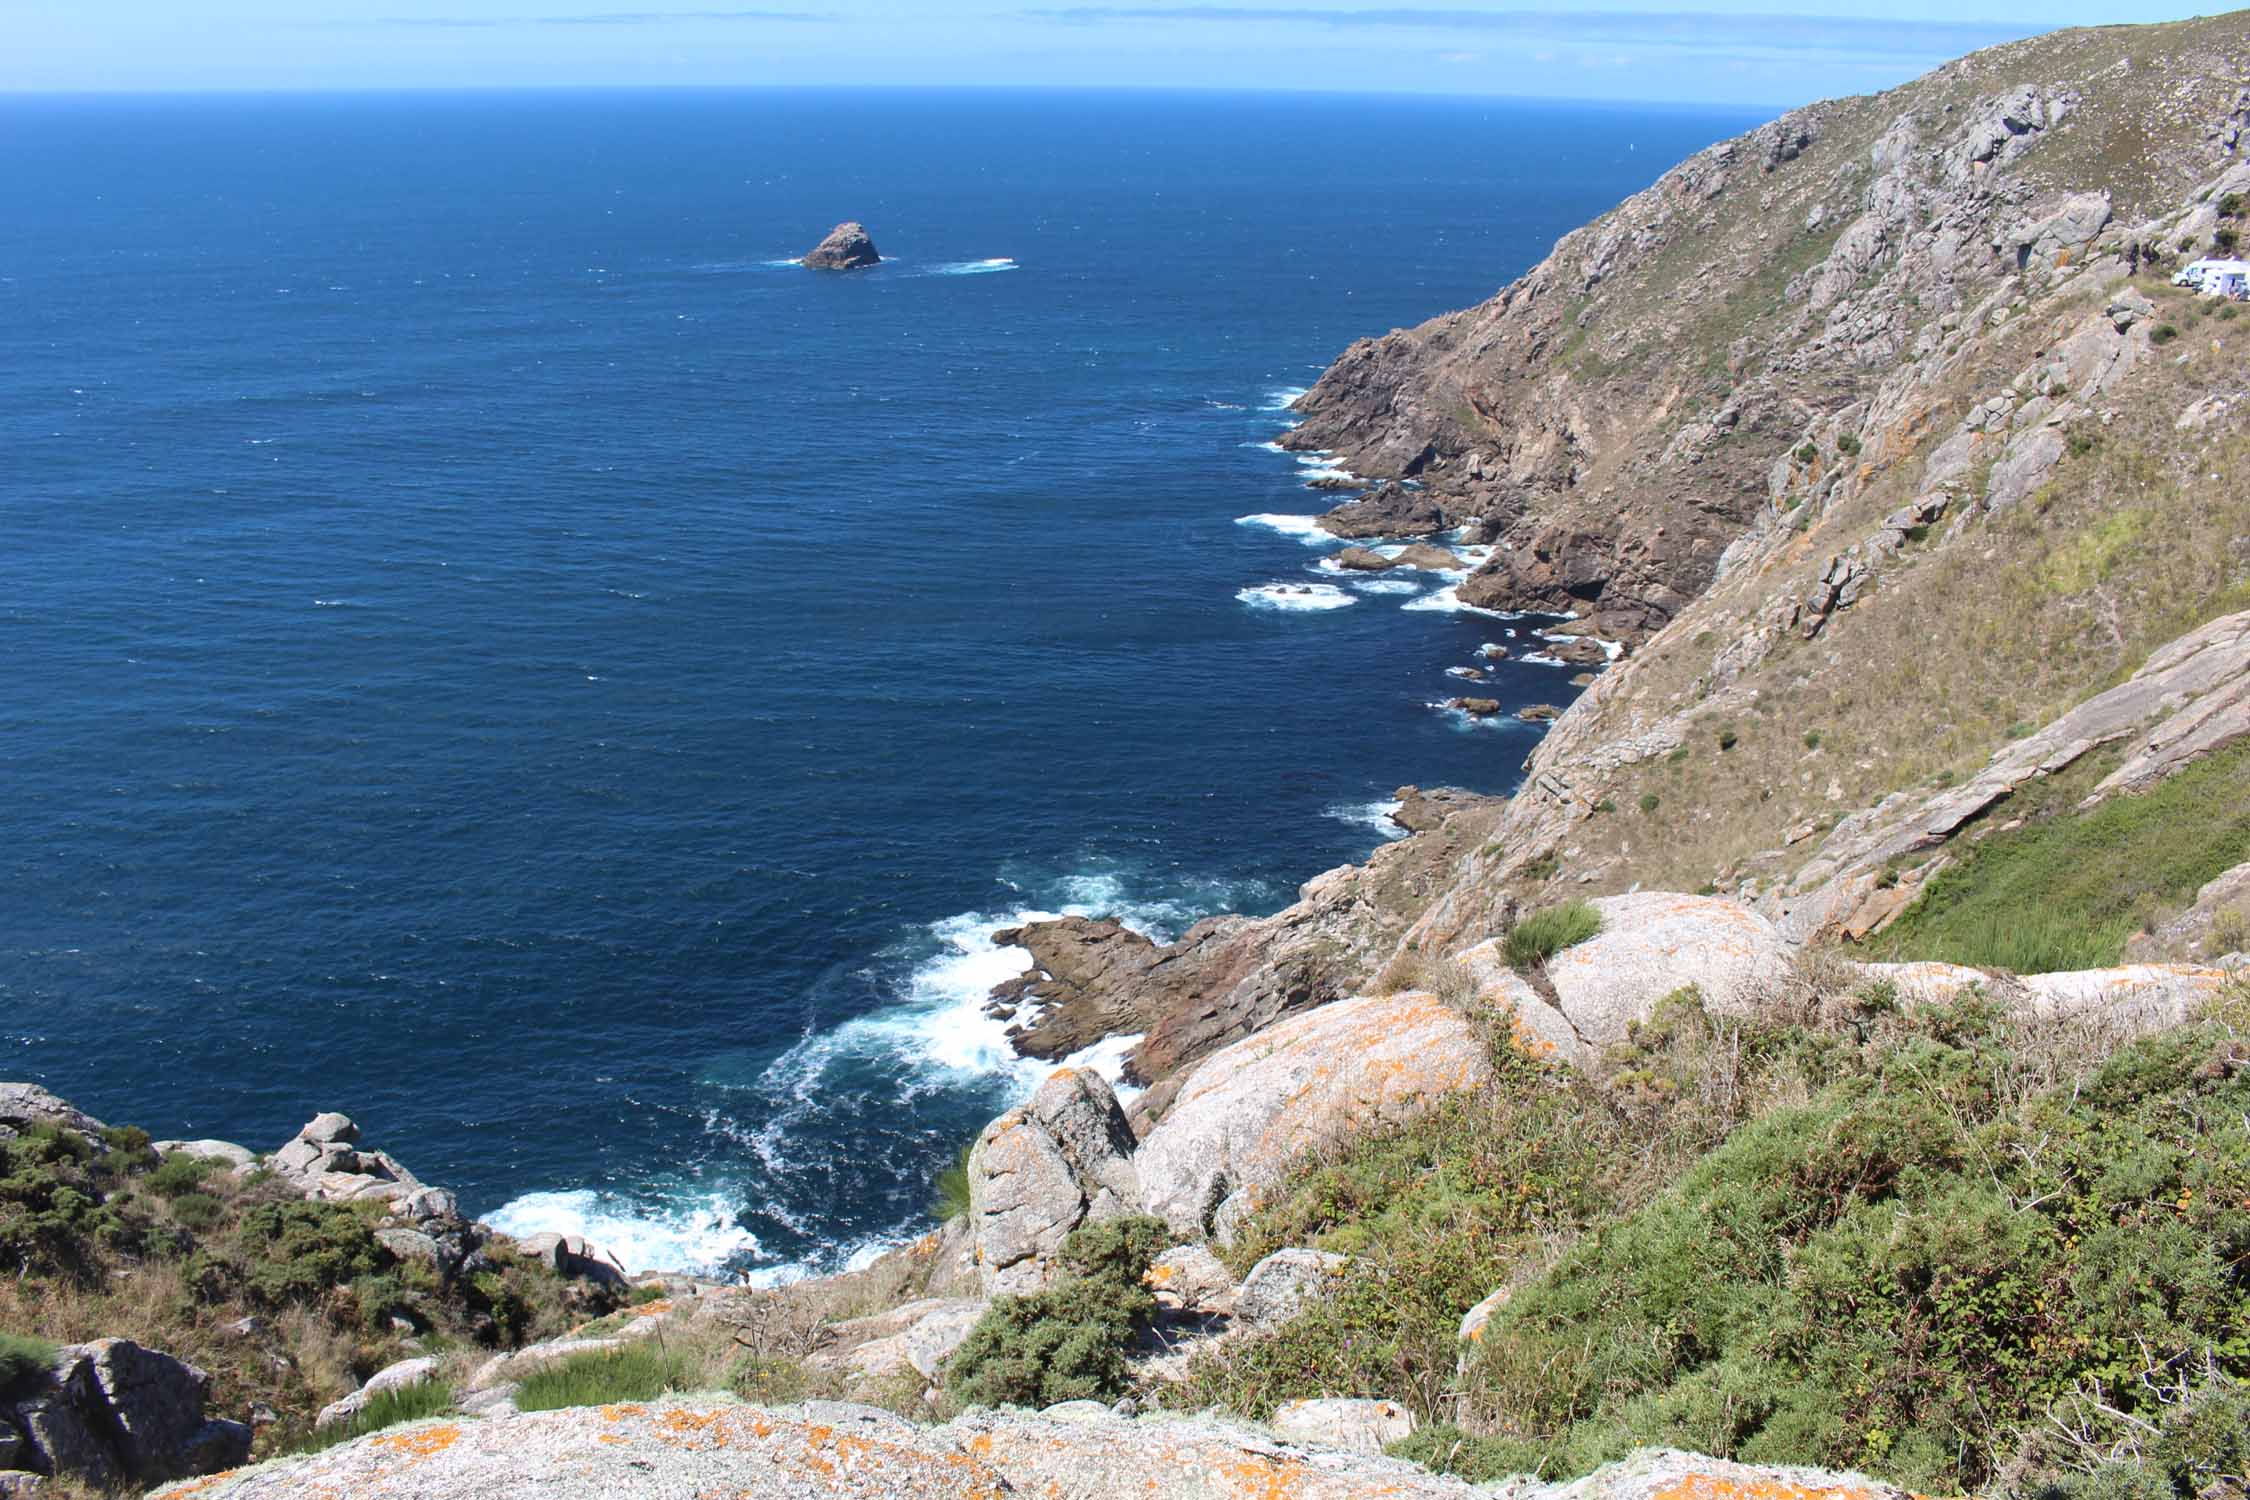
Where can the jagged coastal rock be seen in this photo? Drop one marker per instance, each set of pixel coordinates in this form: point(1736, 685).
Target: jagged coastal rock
point(848, 247)
point(1038, 1172)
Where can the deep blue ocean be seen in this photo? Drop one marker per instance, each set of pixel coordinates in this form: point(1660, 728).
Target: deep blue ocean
point(490, 648)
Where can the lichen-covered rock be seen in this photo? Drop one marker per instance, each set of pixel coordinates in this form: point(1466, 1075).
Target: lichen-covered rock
point(1353, 1424)
point(1257, 1107)
point(111, 1412)
point(922, 1334)
point(23, 1105)
point(390, 1378)
point(1284, 1284)
point(1651, 943)
point(823, 1451)
point(1668, 1474)
point(1040, 1171)
point(1190, 1279)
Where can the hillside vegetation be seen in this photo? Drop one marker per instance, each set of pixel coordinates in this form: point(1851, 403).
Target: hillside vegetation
point(1945, 1246)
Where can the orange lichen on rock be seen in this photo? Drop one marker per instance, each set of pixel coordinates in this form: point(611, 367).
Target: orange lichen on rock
point(420, 1446)
point(1762, 1487)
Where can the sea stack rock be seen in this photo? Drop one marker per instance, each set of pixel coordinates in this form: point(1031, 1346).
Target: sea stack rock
point(847, 248)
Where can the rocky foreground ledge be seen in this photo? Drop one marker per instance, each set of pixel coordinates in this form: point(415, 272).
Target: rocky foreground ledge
point(1077, 1451)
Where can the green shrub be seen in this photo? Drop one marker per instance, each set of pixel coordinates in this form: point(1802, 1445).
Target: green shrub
point(24, 1362)
point(1905, 1275)
point(1812, 739)
point(1605, 806)
point(654, 1291)
point(2163, 333)
point(1650, 802)
point(197, 1210)
point(1848, 445)
point(302, 1249)
point(1728, 739)
point(640, 1371)
point(1546, 932)
point(1808, 454)
point(2230, 206)
point(180, 1173)
point(949, 1195)
point(1679, 753)
point(2226, 238)
point(1067, 1342)
point(410, 1403)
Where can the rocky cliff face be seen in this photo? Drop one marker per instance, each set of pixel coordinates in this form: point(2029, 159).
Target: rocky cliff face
point(1875, 436)
point(1620, 414)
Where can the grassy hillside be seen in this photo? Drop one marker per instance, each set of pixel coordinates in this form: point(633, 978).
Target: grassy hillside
point(1946, 1246)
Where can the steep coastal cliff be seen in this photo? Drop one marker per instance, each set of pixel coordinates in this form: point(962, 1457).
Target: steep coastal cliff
point(1832, 1054)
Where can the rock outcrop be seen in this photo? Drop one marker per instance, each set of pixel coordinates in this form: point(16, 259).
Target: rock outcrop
point(24, 1105)
point(111, 1413)
point(1261, 1105)
point(1651, 944)
point(1038, 1172)
point(325, 1161)
point(848, 247)
point(833, 1451)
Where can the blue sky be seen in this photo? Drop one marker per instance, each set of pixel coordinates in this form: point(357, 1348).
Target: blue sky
point(1712, 51)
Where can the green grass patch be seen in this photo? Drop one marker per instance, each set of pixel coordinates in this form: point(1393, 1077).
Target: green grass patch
point(949, 1193)
point(641, 1371)
point(23, 1362)
point(2066, 892)
point(411, 1403)
point(1546, 932)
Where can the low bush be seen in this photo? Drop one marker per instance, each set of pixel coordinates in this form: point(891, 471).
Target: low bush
point(1650, 802)
point(1546, 932)
point(23, 1362)
point(180, 1173)
point(2163, 333)
point(1067, 1342)
point(1906, 1274)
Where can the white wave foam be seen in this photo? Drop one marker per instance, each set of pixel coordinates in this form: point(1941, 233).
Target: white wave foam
point(1295, 596)
point(1375, 815)
point(1386, 585)
point(1325, 467)
point(1542, 659)
point(1284, 398)
point(1447, 601)
point(695, 1233)
point(1305, 529)
point(1466, 721)
point(974, 267)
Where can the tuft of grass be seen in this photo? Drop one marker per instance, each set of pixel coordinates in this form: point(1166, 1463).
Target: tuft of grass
point(2066, 892)
point(949, 1194)
point(1546, 932)
point(411, 1403)
point(641, 1371)
point(2163, 333)
point(23, 1362)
